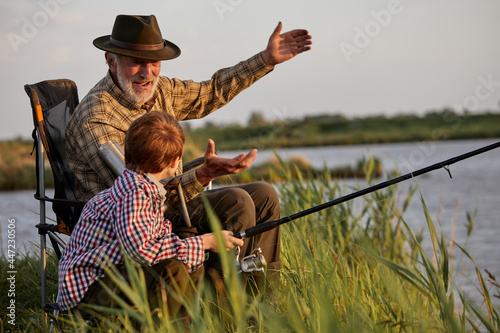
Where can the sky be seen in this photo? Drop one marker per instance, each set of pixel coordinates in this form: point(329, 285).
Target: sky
point(368, 57)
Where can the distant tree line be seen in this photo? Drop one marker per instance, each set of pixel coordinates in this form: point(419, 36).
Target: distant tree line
point(337, 129)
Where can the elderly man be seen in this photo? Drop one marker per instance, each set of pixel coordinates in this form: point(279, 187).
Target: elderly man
point(133, 87)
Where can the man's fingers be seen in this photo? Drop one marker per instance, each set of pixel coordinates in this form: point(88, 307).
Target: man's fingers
point(300, 32)
point(240, 157)
point(251, 155)
point(246, 160)
point(305, 40)
point(210, 148)
point(277, 30)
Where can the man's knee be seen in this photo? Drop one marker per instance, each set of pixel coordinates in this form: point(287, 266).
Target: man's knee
point(235, 196)
point(241, 207)
point(265, 199)
point(261, 189)
point(236, 208)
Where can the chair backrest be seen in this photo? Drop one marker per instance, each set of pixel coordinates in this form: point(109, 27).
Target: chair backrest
point(53, 102)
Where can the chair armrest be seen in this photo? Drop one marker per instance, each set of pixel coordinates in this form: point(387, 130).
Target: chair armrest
point(193, 164)
point(61, 201)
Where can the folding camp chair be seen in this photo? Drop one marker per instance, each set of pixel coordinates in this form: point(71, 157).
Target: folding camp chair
point(53, 102)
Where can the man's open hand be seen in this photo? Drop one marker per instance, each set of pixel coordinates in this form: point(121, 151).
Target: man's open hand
point(215, 166)
point(281, 48)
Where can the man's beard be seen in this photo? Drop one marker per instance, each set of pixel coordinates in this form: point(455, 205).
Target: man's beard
point(127, 87)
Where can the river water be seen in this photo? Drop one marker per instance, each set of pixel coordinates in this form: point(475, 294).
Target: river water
point(474, 186)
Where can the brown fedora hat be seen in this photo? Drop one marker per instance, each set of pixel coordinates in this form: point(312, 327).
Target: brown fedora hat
point(138, 37)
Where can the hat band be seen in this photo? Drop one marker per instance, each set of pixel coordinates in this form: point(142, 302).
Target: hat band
point(137, 47)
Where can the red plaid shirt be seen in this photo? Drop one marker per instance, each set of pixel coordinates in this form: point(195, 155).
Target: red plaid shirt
point(128, 215)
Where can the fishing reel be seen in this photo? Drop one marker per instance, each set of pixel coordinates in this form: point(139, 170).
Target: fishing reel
point(255, 262)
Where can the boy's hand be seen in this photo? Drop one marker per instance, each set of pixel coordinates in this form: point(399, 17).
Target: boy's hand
point(215, 166)
point(229, 241)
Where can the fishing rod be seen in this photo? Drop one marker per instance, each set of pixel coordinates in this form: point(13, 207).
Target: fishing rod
point(258, 229)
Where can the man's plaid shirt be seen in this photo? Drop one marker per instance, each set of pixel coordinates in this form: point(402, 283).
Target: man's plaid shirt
point(129, 215)
point(105, 114)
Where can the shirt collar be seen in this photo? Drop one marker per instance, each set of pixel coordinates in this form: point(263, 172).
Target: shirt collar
point(155, 181)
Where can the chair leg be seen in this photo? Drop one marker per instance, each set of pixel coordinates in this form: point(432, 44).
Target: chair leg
point(43, 268)
point(53, 313)
point(41, 191)
point(54, 325)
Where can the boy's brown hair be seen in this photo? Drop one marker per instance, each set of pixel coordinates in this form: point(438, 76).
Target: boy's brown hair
point(152, 142)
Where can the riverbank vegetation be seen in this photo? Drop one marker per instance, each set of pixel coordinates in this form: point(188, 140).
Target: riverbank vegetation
point(337, 129)
point(17, 167)
point(299, 168)
point(344, 269)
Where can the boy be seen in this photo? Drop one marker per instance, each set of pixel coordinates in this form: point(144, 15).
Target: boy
point(130, 216)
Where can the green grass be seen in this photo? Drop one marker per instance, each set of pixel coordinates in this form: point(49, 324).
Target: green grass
point(344, 269)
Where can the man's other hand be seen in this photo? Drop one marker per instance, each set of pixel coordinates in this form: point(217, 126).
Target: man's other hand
point(215, 166)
